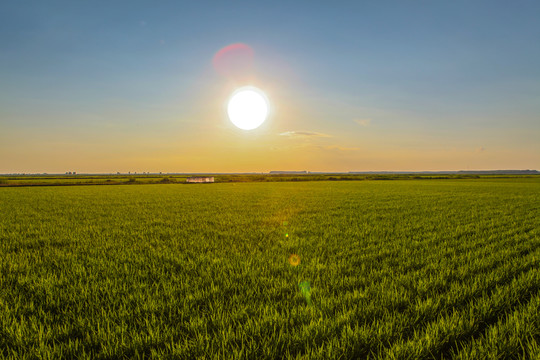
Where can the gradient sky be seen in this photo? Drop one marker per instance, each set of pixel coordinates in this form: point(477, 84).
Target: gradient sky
point(106, 86)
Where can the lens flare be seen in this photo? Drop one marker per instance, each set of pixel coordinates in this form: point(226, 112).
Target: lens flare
point(234, 61)
point(294, 260)
point(304, 287)
point(305, 290)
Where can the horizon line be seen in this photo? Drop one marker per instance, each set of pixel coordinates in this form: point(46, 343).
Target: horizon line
point(275, 172)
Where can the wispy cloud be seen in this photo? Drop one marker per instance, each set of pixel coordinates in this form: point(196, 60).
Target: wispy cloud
point(363, 122)
point(341, 148)
point(303, 134)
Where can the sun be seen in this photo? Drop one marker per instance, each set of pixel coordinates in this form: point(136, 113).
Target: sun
point(247, 108)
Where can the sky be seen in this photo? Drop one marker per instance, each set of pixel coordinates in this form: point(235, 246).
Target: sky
point(118, 86)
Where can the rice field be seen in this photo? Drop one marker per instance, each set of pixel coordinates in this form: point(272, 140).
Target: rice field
point(411, 269)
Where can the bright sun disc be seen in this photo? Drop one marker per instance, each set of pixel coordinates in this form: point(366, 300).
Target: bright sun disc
point(247, 108)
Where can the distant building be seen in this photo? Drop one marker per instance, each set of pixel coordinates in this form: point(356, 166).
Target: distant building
point(206, 179)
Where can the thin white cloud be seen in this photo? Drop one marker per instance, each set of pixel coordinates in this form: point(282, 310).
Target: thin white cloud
point(341, 148)
point(303, 134)
point(363, 122)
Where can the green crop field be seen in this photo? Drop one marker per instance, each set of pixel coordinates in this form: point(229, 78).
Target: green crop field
point(411, 269)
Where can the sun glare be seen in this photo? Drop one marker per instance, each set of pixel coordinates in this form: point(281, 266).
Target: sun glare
point(247, 108)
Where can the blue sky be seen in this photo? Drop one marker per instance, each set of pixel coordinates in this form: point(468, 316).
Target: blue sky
point(402, 85)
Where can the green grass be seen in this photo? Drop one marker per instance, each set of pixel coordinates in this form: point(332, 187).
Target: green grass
point(415, 269)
